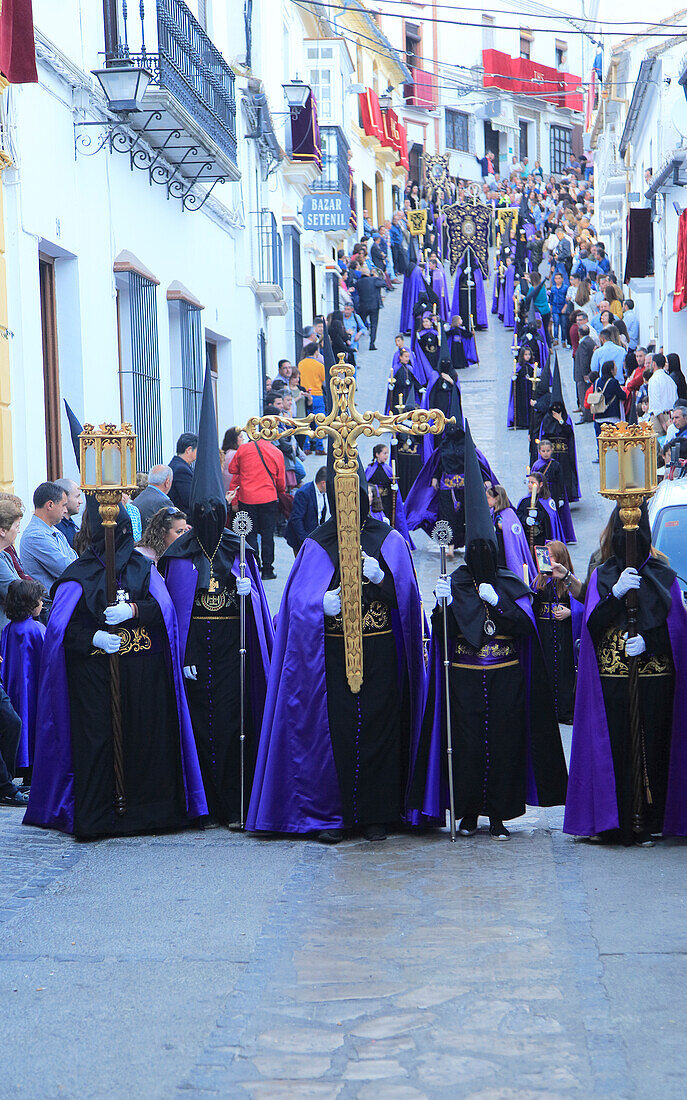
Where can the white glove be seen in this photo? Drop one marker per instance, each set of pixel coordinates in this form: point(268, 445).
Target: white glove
point(530, 522)
point(243, 586)
point(488, 594)
point(634, 646)
point(108, 642)
point(443, 591)
point(190, 672)
point(626, 582)
point(118, 613)
point(372, 570)
point(331, 603)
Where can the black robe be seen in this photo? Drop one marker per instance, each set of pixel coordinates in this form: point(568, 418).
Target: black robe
point(558, 648)
point(154, 786)
point(369, 738)
point(607, 623)
point(542, 404)
point(540, 532)
point(562, 438)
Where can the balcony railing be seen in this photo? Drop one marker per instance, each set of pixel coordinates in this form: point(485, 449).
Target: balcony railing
point(423, 90)
point(334, 176)
point(270, 262)
point(164, 37)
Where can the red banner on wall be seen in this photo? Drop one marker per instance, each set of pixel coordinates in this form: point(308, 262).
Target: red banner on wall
point(17, 47)
point(371, 114)
point(522, 76)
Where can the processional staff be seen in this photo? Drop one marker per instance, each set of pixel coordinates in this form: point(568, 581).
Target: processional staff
point(443, 536)
point(242, 526)
point(342, 426)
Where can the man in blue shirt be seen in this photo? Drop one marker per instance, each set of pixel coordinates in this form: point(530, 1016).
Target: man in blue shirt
point(354, 325)
point(67, 525)
point(608, 350)
point(631, 324)
point(603, 264)
point(45, 552)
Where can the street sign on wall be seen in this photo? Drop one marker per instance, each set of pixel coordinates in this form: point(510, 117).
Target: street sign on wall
point(326, 210)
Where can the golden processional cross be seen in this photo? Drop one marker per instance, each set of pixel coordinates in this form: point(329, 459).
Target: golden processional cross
point(343, 425)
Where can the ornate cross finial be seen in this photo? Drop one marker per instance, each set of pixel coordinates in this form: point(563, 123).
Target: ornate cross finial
point(343, 425)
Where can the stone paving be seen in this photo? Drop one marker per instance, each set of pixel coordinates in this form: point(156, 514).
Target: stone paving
point(208, 964)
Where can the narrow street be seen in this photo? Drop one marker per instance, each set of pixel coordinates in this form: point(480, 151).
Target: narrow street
point(243, 968)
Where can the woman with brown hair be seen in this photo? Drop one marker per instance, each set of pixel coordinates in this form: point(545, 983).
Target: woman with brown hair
point(164, 528)
point(11, 511)
point(558, 618)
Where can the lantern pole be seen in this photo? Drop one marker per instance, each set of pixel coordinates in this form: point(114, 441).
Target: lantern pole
point(624, 439)
point(109, 495)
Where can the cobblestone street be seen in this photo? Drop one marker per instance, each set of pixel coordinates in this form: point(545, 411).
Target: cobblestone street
point(209, 964)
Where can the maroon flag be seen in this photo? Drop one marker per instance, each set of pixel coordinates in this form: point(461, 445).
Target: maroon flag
point(17, 48)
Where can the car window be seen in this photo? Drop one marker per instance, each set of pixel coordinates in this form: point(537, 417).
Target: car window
point(670, 537)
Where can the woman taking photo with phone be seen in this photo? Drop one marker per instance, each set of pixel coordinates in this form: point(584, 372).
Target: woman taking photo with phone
point(558, 617)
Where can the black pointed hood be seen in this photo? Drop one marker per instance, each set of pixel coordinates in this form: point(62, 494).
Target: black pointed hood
point(208, 511)
point(372, 531)
point(479, 526)
point(444, 351)
point(75, 429)
point(329, 362)
point(557, 399)
point(532, 315)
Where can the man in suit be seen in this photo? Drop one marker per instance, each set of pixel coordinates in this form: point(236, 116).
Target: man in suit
point(182, 471)
point(156, 495)
point(582, 368)
point(310, 510)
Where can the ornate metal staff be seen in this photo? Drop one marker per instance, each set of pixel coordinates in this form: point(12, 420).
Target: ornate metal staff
point(343, 425)
point(443, 537)
point(242, 526)
point(469, 285)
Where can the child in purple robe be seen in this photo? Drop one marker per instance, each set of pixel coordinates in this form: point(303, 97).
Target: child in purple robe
point(21, 647)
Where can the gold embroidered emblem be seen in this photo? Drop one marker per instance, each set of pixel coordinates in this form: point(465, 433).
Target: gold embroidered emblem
point(612, 659)
point(136, 640)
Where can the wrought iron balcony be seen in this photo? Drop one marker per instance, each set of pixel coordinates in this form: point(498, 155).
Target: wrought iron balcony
point(335, 148)
point(189, 109)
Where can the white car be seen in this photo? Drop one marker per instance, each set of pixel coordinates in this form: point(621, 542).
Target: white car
point(668, 519)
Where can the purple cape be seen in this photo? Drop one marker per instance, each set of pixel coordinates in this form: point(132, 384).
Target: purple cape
point(413, 285)
point(422, 504)
point(497, 295)
point(592, 806)
point(401, 524)
point(181, 578)
point(479, 298)
point(508, 302)
point(515, 545)
point(564, 513)
point(435, 800)
point(423, 369)
point(20, 649)
point(295, 789)
point(51, 802)
point(549, 507)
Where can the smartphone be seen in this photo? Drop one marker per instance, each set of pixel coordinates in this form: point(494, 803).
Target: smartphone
point(543, 559)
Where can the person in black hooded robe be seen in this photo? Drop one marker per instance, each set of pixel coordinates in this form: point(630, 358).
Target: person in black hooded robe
point(555, 426)
point(443, 393)
point(405, 392)
point(135, 629)
point(207, 601)
point(501, 723)
point(607, 625)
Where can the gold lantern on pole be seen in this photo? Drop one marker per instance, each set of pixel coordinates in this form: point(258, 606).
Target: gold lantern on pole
point(108, 469)
point(627, 471)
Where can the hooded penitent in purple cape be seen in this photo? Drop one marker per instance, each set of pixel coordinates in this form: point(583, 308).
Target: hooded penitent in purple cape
point(380, 474)
point(21, 648)
point(440, 288)
point(72, 787)
point(329, 759)
point(478, 297)
point(506, 744)
point(413, 286)
point(508, 299)
point(600, 790)
point(553, 528)
point(208, 608)
point(424, 367)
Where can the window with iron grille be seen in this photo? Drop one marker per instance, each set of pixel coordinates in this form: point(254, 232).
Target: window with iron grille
point(457, 133)
point(561, 148)
point(191, 364)
point(139, 358)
